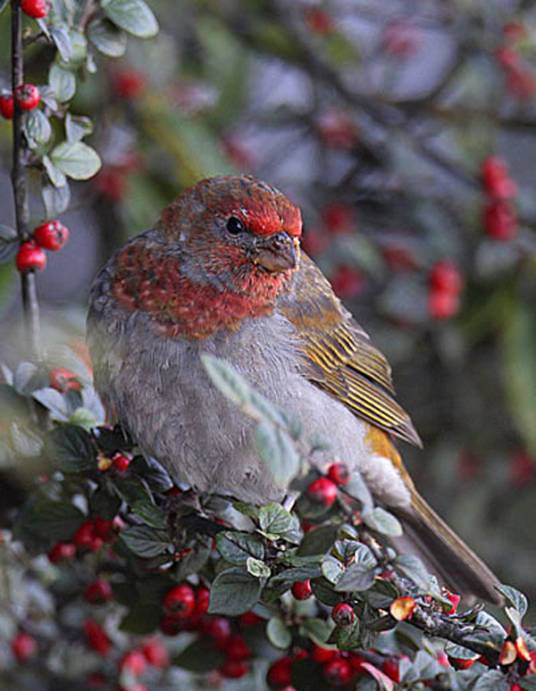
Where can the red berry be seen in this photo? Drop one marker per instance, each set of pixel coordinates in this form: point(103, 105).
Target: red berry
point(61, 551)
point(515, 31)
point(7, 106)
point(337, 129)
point(236, 648)
point(338, 672)
point(302, 589)
point(134, 662)
point(104, 529)
point(85, 537)
point(120, 462)
point(180, 600)
point(280, 673)
point(128, 84)
point(347, 282)
point(156, 653)
point(322, 491)
point(98, 592)
point(250, 619)
point(454, 601)
point(315, 241)
point(27, 96)
point(202, 596)
point(30, 258)
point(323, 654)
point(500, 221)
point(51, 235)
point(234, 669)
point(319, 21)
point(522, 468)
point(507, 57)
point(217, 628)
point(339, 218)
point(459, 663)
point(63, 380)
point(496, 180)
point(356, 661)
point(391, 668)
point(442, 305)
point(171, 625)
point(445, 277)
point(23, 646)
point(37, 9)
point(343, 614)
point(97, 638)
point(338, 473)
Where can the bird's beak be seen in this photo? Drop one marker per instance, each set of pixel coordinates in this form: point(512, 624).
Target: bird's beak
point(277, 253)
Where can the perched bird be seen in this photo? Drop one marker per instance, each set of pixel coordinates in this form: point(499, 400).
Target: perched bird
point(222, 273)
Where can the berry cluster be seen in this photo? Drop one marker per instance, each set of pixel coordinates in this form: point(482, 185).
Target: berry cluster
point(500, 220)
point(324, 490)
point(49, 235)
point(445, 283)
point(27, 97)
point(89, 537)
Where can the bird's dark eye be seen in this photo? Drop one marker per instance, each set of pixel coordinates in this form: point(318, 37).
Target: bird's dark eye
point(235, 226)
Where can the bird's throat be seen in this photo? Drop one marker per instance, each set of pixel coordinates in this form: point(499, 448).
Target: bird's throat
point(150, 282)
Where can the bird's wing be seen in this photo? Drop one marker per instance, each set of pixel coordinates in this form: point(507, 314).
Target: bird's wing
point(339, 356)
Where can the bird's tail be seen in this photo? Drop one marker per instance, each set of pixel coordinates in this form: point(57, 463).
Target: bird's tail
point(457, 566)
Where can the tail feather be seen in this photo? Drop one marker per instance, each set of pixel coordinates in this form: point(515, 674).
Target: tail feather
point(457, 566)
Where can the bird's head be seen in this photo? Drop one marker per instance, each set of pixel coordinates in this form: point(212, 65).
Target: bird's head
point(235, 231)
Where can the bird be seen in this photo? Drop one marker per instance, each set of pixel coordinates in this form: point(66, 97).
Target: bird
point(222, 273)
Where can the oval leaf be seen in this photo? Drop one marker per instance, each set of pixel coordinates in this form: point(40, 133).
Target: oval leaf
point(134, 16)
point(76, 160)
point(234, 592)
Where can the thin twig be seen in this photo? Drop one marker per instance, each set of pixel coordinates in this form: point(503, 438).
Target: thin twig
point(30, 304)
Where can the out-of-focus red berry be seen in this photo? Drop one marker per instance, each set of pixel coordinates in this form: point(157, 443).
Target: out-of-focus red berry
point(398, 258)
point(171, 624)
point(391, 668)
point(134, 662)
point(315, 241)
point(27, 96)
point(343, 614)
point(63, 379)
point(347, 282)
point(111, 183)
point(496, 179)
point(97, 638)
point(128, 84)
point(37, 9)
point(337, 130)
point(51, 235)
point(85, 537)
point(500, 221)
point(522, 468)
point(339, 474)
point(217, 628)
point(469, 465)
point(30, 257)
point(241, 156)
point(104, 528)
point(98, 592)
point(7, 106)
point(507, 57)
point(339, 218)
point(521, 83)
point(23, 646)
point(155, 653)
point(236, 648)
point(400, 39)
point(319, 21)
point(356, 661)
point(322, 491)
point(234, 669)
point(279, 673)
point(338, 672)
point(445, 277)
point(62, 551)
point(302, 589)
point(443, 659)
point(250, 619)
point(322, 655)
point(202, 597)
point(443, 305)
point(515, 31)
point(96, 681)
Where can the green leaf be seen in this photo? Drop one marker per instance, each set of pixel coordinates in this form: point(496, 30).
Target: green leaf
point(141, 619)
point(528, 683)
point(152, 472)
point(493, 680)
point(76, 160)
point(37, 128)
point(332, 569)
point(53, 401)
point(519, 369)
point(318, 540)
point(277, 450)
point(107, 38)
point(60, 36)
point(134, 16)
point(200, 656)
point(348, 637)
point(56, 177)
point(459, 652)
point(278, 634)
point(298, 573)
point(360, 574)
point(135, 492)
point(78, 47)
point(55, 199)
point(318, 630)
point(358, 489)
point(424, 667)
point(49, 519)
point(516, 599)
point(63, 83)
point(71, 449)
point(145, 542)
point(236, 547)
point(258, 568)
point(383, 522)
point(77, 127)
point(413, 567)
point(234, 592)
point(275, 521)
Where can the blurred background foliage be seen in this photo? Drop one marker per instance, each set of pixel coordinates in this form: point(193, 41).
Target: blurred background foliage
point(406, 131)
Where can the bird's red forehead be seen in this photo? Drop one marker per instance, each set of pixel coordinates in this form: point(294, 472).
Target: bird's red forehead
point(263, 209)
